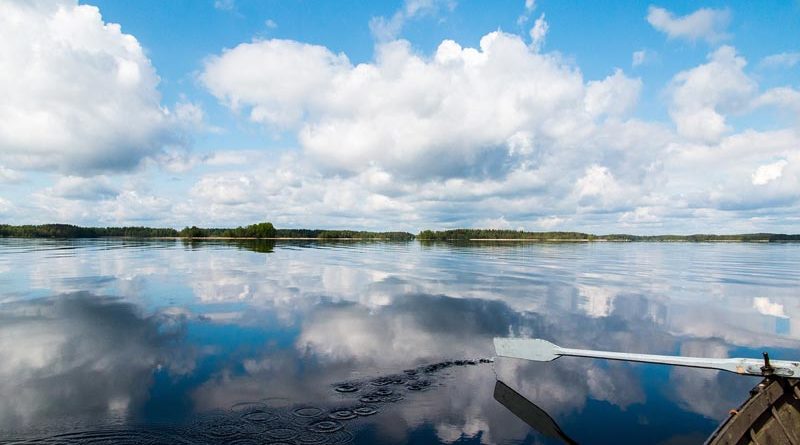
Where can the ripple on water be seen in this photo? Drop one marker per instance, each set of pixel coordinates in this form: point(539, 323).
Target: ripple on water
point(220, 430)
point(282, 433)
point(370, 399)
point(365, 411)
point(248, 406)
point(382, 392)
point(339, 437)
point(308, 412)
point(325, 426)
point(381, 381)
point(418, 385)
point(123, 437)
point(259, 416)
point(346, 387)
point(342, 414)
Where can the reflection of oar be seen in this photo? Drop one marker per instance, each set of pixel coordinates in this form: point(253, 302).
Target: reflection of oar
point(531, 414)
point(544, 351)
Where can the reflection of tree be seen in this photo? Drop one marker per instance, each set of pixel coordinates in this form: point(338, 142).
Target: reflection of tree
point(81, 355)
point(254, 245)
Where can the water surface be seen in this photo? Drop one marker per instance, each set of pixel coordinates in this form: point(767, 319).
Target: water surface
point(112, 341)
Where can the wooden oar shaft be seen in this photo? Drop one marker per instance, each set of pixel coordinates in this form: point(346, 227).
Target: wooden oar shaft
point(542, 350)
point(725, 364)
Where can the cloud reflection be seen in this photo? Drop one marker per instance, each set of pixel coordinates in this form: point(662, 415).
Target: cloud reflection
point(81, 355)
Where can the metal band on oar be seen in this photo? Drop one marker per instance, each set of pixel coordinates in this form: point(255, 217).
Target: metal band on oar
point(543, 351)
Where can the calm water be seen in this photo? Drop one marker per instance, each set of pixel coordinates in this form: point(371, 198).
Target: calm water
point(308, 343)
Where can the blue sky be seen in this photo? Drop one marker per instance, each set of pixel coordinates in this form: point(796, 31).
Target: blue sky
point(674, 117)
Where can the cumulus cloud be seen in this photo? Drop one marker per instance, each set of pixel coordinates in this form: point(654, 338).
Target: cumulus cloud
point(500, 134)
point(615, 95)
point(460, 112)
point(702, 94)
point(79, 95)
point(67, 201)
point(768, 172)
point(87, 189)
point(766, 307)
point(705, 23)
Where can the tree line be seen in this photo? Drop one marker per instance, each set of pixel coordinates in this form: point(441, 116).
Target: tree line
point(70, 231)
point(260, 230)
point(266, 230)
point(499, 234)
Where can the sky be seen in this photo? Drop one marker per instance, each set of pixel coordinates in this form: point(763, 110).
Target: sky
point(603, 117)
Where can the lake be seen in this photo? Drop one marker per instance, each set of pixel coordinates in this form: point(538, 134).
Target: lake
point(125, 341)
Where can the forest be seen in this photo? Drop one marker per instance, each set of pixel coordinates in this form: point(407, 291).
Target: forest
point(260, 230)
point(266, 230)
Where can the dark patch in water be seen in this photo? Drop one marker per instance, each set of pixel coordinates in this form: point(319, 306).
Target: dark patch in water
point(262, 422)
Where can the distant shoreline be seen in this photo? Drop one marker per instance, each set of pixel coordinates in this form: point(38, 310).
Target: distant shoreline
point(266, 231)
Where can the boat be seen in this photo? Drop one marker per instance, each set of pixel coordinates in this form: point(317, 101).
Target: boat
point(770, 415)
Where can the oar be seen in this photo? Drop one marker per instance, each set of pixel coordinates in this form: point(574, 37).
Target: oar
point(529, 412)
point(543, 351)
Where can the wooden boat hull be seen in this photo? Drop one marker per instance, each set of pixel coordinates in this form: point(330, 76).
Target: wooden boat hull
point(770, 416)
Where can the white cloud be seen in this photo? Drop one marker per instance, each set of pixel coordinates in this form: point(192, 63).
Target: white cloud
point(643, 57)
point(281, 78)
point(8, 175)
point(493, 223)
point(78, 94)
point(388, 29)
point(438, 116)
point(781, 60)
point(86, 189)
point(539, 32)
point(700, 95)
point(530, 6)
point(614, 95)
point(640, 215)
point(769, 172)
point(465, 134)
point(766, 307)
point(550, 222)
point(638, 57)
point(782, 97)
point(224, 5)
point(5, 206)
point(226, 189)
point(705, 23)
point(271, 24)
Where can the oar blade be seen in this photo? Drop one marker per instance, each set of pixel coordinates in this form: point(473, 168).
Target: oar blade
point(526, 348)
